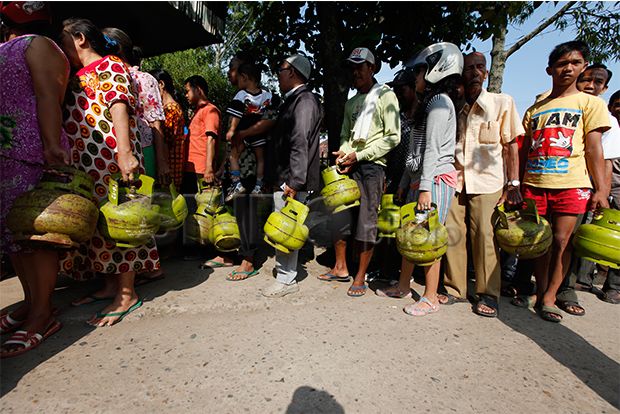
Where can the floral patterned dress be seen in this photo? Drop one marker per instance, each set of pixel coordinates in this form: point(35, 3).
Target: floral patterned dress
point(88, 124)
point(174, 135)
point(149, 107)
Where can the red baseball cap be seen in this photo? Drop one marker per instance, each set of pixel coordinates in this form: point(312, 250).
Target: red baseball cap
point(23, 12)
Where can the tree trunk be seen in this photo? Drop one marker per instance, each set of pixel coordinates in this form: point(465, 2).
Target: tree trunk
point(498, 61)
point(335, 84)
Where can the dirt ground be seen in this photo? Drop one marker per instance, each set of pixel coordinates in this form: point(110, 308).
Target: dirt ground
point(203, 344)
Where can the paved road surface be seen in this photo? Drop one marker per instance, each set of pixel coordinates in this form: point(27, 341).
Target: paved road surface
point(201, 344)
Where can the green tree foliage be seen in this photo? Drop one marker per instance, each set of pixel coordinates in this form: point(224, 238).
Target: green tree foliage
point(181, 65)
point(330, 30)
point(210, 62)
point(240, 29)
point(596, 23)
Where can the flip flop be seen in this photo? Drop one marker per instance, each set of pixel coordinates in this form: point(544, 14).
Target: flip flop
point(357, 291)
point(122, 314)
point(488, 302)
point(29, 340)
point(212, 264)
point(611, 296)
point(566, 306)
point(394, 294)
point(547, 311)
point(330, 277)
point(92, 299)
point(523, 301)
point(450, 299)
point(414, 309)
point(245, 275)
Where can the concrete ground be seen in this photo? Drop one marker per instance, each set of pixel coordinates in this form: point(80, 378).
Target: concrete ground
point(201, 344)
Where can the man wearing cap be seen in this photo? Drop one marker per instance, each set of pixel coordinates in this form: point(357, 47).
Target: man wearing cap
point(488, 174)
point(370, 129)
point(295, 139)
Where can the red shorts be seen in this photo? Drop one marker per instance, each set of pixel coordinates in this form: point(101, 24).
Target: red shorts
point(567, 201)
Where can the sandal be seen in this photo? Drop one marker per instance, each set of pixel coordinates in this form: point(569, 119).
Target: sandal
point(393, 293)
point(238, 275)
point(448, 299)
point(509, 291)
point(212, 264)
point(550, 313)
point(611, 296)
point(91, 299)
point(28, 340)
point(489, 302)
point(524, 301)
point(357, 291)
point(571, 307)
point(8, 324)
point(121, 315)
point(414, 309)
point(142, 279)
point(330, 277)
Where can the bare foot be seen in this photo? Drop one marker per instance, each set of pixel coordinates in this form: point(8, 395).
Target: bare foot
point(107, 293)
point(116, 311)
point(245, 266)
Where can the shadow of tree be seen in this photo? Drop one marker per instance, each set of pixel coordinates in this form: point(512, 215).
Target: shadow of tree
point(310, 400)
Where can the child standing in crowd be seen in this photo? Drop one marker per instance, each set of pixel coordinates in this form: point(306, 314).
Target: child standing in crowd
point(204, 129)
point(563, 132)
point(430, 174)
point(246, 109)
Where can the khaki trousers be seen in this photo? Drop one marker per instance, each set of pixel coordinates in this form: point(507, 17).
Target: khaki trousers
point(478, 208)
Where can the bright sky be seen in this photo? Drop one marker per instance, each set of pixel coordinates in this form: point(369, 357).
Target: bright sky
point(525, 76)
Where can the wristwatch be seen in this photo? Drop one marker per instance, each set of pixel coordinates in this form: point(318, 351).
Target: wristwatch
point(513, 183)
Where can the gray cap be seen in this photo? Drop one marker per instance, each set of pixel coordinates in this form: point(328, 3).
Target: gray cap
point(301, 63)
point(361, 55)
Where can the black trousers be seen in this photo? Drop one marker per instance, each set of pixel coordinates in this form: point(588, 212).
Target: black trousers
point(246, 211)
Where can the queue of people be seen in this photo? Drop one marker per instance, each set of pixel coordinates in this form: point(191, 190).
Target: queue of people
point(433, 136)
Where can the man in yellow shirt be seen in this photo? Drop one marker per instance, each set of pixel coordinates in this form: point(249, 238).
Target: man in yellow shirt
point(488, 174)
point(563, 142)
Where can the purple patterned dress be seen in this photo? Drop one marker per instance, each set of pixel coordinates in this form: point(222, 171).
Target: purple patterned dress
point(21, 148)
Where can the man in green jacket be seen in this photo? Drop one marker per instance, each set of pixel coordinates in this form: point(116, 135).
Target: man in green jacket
point(370, 129)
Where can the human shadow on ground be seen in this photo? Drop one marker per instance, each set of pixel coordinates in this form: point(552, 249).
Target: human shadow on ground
point(310, 400)
point(595, 369)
